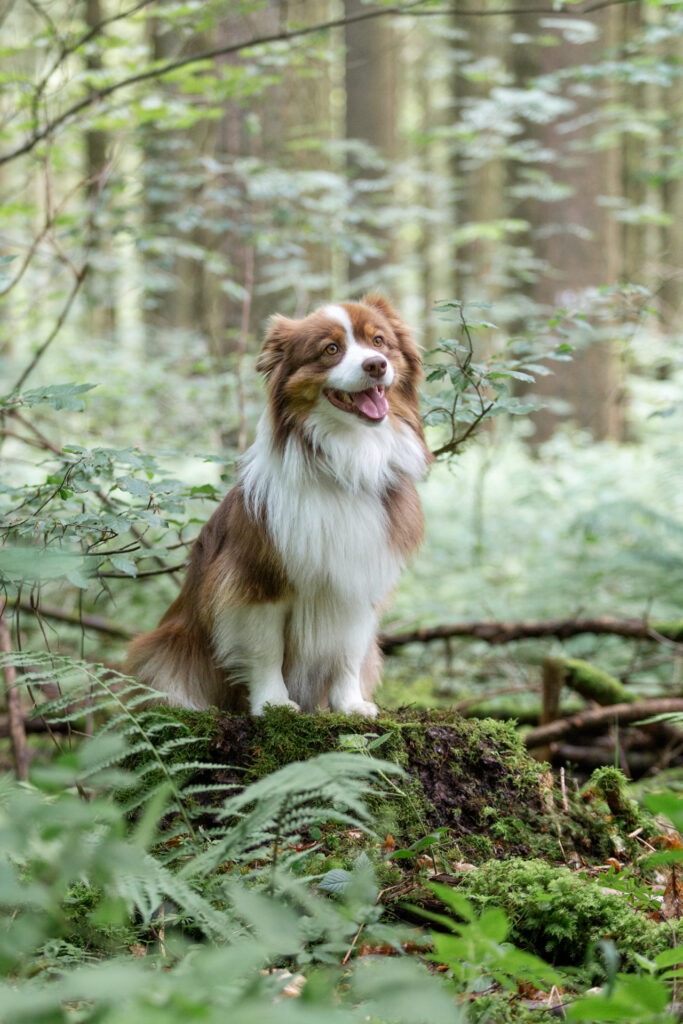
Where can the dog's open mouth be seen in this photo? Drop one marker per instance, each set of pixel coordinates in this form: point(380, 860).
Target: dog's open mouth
point(370, 404)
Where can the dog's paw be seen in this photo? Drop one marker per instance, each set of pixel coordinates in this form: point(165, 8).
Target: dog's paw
point(360, 707)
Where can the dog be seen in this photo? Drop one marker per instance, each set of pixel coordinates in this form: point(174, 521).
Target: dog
point(285, 582)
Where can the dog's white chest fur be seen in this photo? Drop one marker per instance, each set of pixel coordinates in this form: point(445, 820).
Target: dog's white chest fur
point(324, 508)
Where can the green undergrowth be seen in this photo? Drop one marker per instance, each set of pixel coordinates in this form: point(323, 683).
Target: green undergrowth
point(182, 866)
point(565, 916)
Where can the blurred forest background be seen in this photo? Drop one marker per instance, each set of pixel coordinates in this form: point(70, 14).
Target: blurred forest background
point(172, 172)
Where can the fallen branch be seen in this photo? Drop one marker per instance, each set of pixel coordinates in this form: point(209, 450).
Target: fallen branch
point(585, 679)
point(507, 632)
point(588, 758)
point(494, 633)
point(598, 718)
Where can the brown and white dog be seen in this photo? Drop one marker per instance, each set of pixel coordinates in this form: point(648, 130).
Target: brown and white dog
point(281, 599)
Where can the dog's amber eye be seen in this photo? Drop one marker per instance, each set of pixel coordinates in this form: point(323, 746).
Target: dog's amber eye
point(332, 349)
point(378, 341)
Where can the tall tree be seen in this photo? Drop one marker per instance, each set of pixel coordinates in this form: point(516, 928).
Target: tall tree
point(479, 59)
point(371, 68)
point(101, 289)
point(573, 236)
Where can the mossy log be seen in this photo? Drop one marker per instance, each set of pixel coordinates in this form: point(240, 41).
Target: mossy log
point(588, 681)
point(473, 778)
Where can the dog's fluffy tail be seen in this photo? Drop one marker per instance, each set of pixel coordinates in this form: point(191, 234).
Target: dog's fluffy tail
point(177, 659)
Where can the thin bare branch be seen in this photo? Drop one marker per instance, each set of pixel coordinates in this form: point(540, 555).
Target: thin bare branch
point(158, 71)
point(83, 621)
point(58, 324)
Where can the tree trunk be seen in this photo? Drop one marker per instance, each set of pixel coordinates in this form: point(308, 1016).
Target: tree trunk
point(479, 178)
point(101, 288)
point(579, 243)
point(371, 117)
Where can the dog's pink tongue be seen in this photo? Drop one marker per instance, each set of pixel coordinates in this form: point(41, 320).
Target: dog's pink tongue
point(372, 403)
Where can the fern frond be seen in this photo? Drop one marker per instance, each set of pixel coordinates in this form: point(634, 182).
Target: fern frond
point(278, 808)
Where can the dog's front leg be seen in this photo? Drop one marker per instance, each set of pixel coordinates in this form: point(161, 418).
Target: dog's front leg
point(250, 645)
point(346, 692)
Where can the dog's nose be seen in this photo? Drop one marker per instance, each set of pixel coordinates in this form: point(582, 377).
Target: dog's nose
point(375, 366)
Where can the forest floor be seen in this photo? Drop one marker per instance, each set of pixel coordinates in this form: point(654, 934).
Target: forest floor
point(567, 862)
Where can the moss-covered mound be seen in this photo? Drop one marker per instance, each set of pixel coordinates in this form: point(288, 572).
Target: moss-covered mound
point(472, 777)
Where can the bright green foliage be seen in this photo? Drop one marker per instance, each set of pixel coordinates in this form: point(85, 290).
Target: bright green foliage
point(79, 871)
point(212, 906)
point(478, 944)
point(477, 390)
point(564, 915)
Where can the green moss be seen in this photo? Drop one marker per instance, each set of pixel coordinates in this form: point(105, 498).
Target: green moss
point(672, 630)
point(611, 785)
point(561, 915)
point(504, 1008)
point(282, 736)
point(199, 724)
point(593, 683)
point(87, 928)
point(481, 848)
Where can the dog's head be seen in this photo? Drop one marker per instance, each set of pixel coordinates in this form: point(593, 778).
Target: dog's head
point(357, 361)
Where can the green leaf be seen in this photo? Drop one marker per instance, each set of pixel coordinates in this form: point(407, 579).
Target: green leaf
point(134, 485)
point(335, 881)
point(669, 804)
point(124, 565)
point(420, 845)
point(635, 999)
point(454, 900)
point(59, 396)
point(35, 565)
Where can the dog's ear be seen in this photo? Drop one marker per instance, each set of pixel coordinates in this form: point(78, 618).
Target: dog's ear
point(279, 333)
point(384, 307)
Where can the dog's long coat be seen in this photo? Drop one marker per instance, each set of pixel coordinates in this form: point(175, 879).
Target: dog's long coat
point(280, 602)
